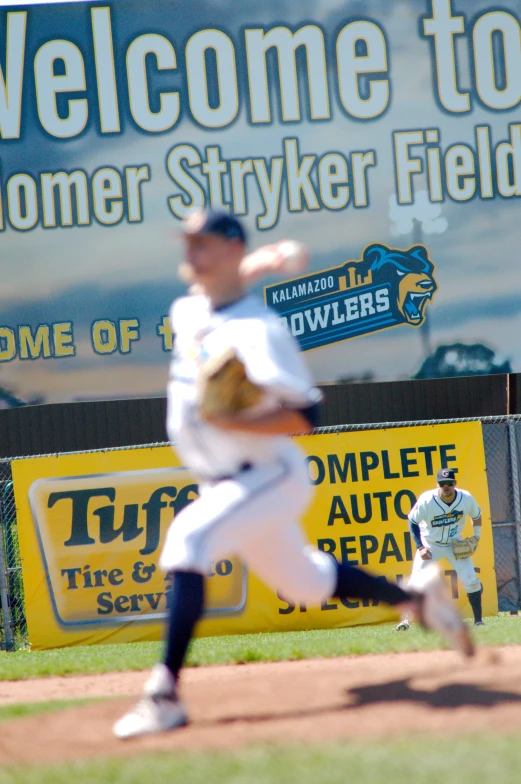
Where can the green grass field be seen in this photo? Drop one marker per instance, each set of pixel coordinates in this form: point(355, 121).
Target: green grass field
point(18, 711)
point(502, 629)
point(474, 759)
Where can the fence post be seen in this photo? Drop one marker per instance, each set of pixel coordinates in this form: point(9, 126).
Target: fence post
point(4, 598)
point(514, 476)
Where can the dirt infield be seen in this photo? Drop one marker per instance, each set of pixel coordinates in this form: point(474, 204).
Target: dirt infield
point(314, 700)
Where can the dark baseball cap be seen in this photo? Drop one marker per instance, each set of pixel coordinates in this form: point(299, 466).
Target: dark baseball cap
point(214, 222)
point(446, 475)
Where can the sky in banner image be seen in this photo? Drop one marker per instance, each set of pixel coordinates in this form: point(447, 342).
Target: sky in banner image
point(385, 136)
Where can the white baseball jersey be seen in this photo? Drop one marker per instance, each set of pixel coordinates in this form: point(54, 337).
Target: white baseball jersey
point(272, 360)
point(439, 522)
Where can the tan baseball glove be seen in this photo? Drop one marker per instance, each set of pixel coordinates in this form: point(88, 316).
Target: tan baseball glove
point(463, 548)
point(224, 387)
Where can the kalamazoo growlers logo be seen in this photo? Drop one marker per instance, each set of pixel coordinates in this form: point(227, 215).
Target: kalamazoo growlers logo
point(385, 288)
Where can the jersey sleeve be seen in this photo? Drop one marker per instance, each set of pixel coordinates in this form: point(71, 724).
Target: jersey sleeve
point(172, 318)
point(417, 513)
point(273, 361)
point(414, 528)
point(179, 310)
point(184, 316)
point(472, 509)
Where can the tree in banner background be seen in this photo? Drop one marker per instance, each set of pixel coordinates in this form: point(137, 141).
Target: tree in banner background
point(446, 361)
point(462, 360)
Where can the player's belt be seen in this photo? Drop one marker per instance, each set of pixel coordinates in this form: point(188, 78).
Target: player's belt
point(225, 477)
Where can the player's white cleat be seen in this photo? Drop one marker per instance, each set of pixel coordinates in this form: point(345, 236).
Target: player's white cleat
point(403, 626)
point(435, 609)
point(159, 710)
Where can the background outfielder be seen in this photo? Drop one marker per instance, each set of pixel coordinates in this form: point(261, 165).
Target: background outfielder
point(436, 523)
point(238, 387)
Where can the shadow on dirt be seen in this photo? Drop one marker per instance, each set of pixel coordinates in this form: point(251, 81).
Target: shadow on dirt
point(454, 695)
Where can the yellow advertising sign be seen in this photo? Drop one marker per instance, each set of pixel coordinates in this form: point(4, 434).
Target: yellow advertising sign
point(91, 528)
point(66, 509)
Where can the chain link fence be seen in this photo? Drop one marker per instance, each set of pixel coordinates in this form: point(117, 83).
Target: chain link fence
point(13, 625)
point(502, 442)
point(505, 522)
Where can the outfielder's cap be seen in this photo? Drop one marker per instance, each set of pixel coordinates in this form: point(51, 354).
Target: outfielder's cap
point(214, 222)
point(446, 474)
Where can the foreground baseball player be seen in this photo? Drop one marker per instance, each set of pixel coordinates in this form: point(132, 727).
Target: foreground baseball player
point(436, 523)
point(253, 482)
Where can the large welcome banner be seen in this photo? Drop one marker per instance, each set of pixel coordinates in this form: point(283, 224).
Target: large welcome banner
point(91, 527)
point(384, 135)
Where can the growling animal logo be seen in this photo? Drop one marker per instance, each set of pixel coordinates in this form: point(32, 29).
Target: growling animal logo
point(410, 273)
point(386, 287)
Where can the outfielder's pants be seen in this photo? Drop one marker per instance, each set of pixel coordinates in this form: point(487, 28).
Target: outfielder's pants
point(463, 567)
point(254, 516)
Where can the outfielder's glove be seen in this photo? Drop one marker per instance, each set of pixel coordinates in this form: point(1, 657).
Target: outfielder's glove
point(224, 387)
point(463, 548)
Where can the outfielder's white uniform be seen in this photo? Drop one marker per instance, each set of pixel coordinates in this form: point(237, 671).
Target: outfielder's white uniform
point(440, 524)
point(253, 488)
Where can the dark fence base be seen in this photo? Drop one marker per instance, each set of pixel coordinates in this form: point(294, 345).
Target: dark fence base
point(77, 427)
point(70, 427)
point(407, 401)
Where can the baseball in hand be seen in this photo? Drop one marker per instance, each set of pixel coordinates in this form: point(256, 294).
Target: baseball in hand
point(287, 257)
point(294, 256)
